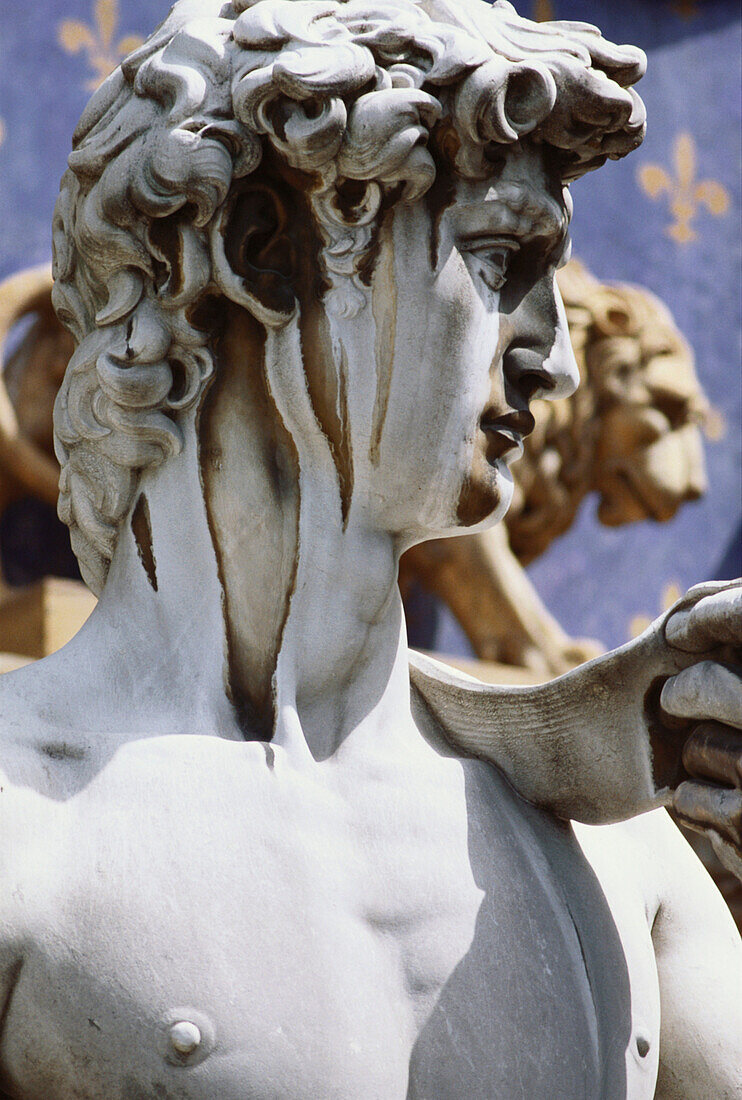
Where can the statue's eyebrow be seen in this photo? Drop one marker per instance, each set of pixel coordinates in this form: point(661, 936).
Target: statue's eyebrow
point(518, 212)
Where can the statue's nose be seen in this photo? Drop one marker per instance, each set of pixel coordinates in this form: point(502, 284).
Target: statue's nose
point(561, 363)
point(539, 361)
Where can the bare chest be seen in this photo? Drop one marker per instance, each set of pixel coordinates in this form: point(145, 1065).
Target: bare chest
point(263, 936)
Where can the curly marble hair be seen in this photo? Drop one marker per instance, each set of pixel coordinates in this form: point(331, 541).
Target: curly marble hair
point(345, 93)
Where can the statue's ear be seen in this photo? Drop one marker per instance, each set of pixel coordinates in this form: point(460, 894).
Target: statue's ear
point(254, 254)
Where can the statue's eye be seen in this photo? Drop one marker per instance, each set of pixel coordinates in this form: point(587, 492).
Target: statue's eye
point(491, 260)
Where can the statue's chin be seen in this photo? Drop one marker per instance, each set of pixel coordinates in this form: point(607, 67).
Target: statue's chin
point(485, 496)
point(483, 499)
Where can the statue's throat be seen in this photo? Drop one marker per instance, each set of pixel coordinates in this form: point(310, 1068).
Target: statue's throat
point(250, 483)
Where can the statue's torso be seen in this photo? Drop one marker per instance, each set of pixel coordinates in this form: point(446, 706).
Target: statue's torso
point(422, 934)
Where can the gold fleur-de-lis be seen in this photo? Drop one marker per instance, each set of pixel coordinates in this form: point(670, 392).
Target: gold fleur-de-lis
point(103, 53)
point(543, 11)
point(685, 193)
point(671, 593)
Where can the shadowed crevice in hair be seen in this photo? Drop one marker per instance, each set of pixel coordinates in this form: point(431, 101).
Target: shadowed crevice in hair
point(249, 475)
point(169, 255)
point(326, 375)
point(384, 309)
point(272, 243)
point(141, 528)
point(442, 192)
point(344, 461)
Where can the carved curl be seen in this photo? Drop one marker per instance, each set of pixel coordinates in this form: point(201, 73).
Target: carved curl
point(343, 92)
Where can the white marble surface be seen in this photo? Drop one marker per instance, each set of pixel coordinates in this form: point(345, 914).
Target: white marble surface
point(242, 855)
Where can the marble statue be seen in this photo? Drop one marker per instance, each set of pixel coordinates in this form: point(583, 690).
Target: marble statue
point(252, 845)
point(631, 434)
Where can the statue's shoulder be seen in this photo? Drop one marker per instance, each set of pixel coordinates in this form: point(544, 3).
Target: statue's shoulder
point(19, 727)
point(30, 770)
point(37, 735)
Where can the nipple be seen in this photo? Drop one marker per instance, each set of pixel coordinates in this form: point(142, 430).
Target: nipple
point(185, 1036)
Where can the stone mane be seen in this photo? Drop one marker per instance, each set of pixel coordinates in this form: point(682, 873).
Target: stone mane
point(347, 94)
point(634, 362)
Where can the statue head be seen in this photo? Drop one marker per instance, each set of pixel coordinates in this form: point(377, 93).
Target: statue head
point(649, 454)
point(378, 188)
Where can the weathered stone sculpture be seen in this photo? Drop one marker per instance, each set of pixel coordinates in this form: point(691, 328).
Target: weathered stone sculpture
point(307, 253)
point(635, 420)
point(631, 434)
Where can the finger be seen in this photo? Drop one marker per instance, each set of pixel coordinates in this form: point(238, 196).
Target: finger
point(714, 752)
point(706, 690)
point(727, 853)
point(715, 620)
point(705, 806)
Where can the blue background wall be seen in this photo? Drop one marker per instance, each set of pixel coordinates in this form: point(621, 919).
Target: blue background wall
point(595, 579)
point(692, 87)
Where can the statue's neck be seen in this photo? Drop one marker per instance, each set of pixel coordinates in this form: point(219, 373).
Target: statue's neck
point(342, 663)
point(271, 605)
point(315, 630)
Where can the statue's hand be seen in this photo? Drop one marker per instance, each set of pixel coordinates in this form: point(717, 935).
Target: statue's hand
point(708, 694)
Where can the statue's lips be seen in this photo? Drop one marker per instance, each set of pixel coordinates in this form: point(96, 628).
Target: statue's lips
point(505, 434)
